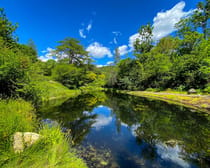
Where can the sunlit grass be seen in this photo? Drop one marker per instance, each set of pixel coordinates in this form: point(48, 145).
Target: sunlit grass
point(195, 101)
point(51, 151)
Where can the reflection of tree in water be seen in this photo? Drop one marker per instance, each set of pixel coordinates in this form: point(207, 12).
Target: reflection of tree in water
point(80, 127)
point(160, 122)
point(75, 114)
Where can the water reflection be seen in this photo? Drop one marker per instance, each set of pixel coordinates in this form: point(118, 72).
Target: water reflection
point(139, 132)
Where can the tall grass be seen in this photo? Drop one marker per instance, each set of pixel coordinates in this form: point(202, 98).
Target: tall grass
point(51, 151)
point(16, 115)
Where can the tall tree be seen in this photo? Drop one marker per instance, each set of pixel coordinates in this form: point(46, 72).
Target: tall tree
point(7, 29)
point(72, 49)
point(143, 44)
point(117, 55)
point(201, 16)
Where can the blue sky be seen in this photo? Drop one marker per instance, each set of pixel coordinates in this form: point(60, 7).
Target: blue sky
point(100, 25)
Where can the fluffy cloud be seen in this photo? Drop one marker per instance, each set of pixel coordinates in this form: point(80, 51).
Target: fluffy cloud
point(97, 50)
point(123, 50)
point(49, 53)
point(173, 154)
point(132, 39)
point(164, 22)
point(109, 63)
point(102, 121)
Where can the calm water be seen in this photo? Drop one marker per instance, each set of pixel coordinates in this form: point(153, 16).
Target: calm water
point(120, 131)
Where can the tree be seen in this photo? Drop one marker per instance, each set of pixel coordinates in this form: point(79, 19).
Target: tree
point(71, 49)
point(143, 44)
point(201, 17)
point(6, 30)
point(116, 56)
point(130, 74)
point(69, 75)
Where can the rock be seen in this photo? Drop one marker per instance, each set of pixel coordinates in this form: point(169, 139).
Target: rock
point(18, 142)
point(192, 91)
point(30, 138)
point(172, 142)
point(24, 139)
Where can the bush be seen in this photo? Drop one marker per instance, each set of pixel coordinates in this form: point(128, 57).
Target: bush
point(13, 71)
point(68, 75)
point(16, 115)
point(52, 150)
point(207, 89)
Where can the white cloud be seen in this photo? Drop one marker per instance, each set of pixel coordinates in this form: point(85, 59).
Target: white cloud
point(99, 66)
point(164, 22)
point(102, 121)
point(110, 63)
point(49, 53)
point(97, 50)
point(89, 27)
point(81, 33)
point(132, 39)
point(123, 50)
point(173, 154)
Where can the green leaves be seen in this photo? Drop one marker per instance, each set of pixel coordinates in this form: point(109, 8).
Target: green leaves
point(71, 49)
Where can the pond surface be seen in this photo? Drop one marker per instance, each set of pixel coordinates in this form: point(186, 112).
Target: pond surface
point(121, 131)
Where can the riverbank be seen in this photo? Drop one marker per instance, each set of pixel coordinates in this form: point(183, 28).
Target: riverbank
point(51, 150)
point(200, 102)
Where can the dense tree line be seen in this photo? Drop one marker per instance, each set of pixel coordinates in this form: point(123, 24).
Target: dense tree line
point(179, 62)
point(21, 71)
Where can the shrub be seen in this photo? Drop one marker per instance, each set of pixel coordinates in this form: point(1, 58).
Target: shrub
point(51, 151)
point(16, 115)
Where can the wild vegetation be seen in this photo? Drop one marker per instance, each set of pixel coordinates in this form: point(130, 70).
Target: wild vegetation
point(179, 62)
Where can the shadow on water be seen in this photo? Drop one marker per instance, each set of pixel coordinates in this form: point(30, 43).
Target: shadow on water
point(138, 132)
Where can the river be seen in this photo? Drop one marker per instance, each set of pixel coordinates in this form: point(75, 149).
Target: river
point(122, 131)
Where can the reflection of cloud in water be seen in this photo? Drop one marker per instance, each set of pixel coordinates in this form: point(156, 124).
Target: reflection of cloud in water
point(171, 153)
point(101, 121)
point(86, 113)
point(133, 128)
point(101, 106)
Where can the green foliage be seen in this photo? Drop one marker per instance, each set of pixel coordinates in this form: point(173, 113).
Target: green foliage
point(6, 30)
point(43, 90)
point(48, 66)
point(13, 70)
point(130, 74)
point(52, 150)
point(16, 115)
point(28, 52)
point(143, 44)
point(74, 51)
point(68, 75)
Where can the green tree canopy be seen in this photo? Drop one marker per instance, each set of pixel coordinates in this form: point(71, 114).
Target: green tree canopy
point(72, 49)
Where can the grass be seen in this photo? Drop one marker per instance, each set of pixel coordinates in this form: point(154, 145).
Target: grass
point(51, 151)
point(193, 101)
point(44, 90)
point(16, 115)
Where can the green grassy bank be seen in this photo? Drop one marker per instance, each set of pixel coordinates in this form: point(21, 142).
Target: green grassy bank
point(200, 102)
point(52, 150)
